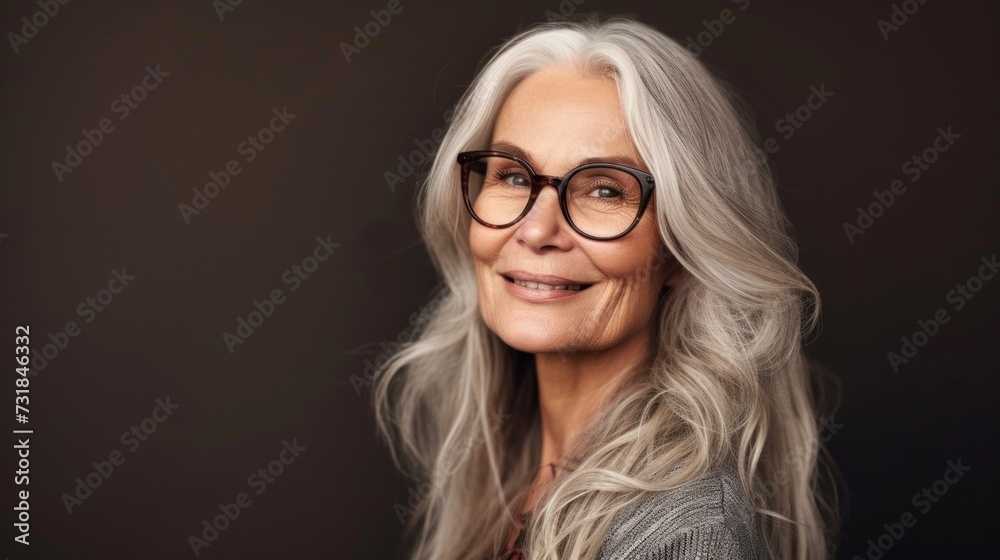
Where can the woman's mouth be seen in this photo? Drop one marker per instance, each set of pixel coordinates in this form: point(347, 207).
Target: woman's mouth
point(540, 286)
point(544, 286)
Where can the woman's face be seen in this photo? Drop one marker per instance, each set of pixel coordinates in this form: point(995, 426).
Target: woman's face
point(555, 118)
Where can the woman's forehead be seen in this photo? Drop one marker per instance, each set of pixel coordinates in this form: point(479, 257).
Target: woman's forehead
point(560, 116)
point(559, 94)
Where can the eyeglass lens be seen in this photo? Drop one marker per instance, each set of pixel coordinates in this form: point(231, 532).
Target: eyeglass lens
point(601, 201)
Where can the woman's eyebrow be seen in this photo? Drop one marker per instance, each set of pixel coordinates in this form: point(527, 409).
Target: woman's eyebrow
point(502, 146)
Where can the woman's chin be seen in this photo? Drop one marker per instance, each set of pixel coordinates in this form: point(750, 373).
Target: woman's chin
point(532, 343)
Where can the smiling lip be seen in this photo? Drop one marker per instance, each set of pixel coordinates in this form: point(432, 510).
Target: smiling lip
point(540, 294)
point(526, 276)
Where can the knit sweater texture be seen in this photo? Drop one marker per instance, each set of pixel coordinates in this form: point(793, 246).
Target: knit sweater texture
point(709, 518)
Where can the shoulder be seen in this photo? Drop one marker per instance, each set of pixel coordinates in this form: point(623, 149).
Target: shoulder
point(705, 518)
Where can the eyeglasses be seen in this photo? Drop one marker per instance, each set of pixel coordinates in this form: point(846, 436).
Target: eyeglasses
point(600, 201)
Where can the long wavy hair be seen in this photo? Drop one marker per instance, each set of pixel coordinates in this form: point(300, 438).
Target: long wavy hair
point(727, 383)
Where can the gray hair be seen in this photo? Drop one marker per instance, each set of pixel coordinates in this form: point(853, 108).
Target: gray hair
point(728, 384)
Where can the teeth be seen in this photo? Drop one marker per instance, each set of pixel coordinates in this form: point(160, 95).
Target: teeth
point(540, 286)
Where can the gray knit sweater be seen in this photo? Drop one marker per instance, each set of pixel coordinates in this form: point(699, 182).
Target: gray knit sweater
point(705, 519)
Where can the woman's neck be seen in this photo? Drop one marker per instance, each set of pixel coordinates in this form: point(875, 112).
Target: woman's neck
point(573, 387)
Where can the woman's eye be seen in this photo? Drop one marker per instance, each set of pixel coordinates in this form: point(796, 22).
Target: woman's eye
point(516, 179)
point(606, 192)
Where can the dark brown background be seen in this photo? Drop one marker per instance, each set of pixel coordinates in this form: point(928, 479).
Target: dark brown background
point(323, 176)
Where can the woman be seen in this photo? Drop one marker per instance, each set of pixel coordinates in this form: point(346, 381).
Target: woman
point(616, 369)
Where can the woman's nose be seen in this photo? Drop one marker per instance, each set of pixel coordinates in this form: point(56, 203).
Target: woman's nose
point(544, 222)
point(546, 205)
